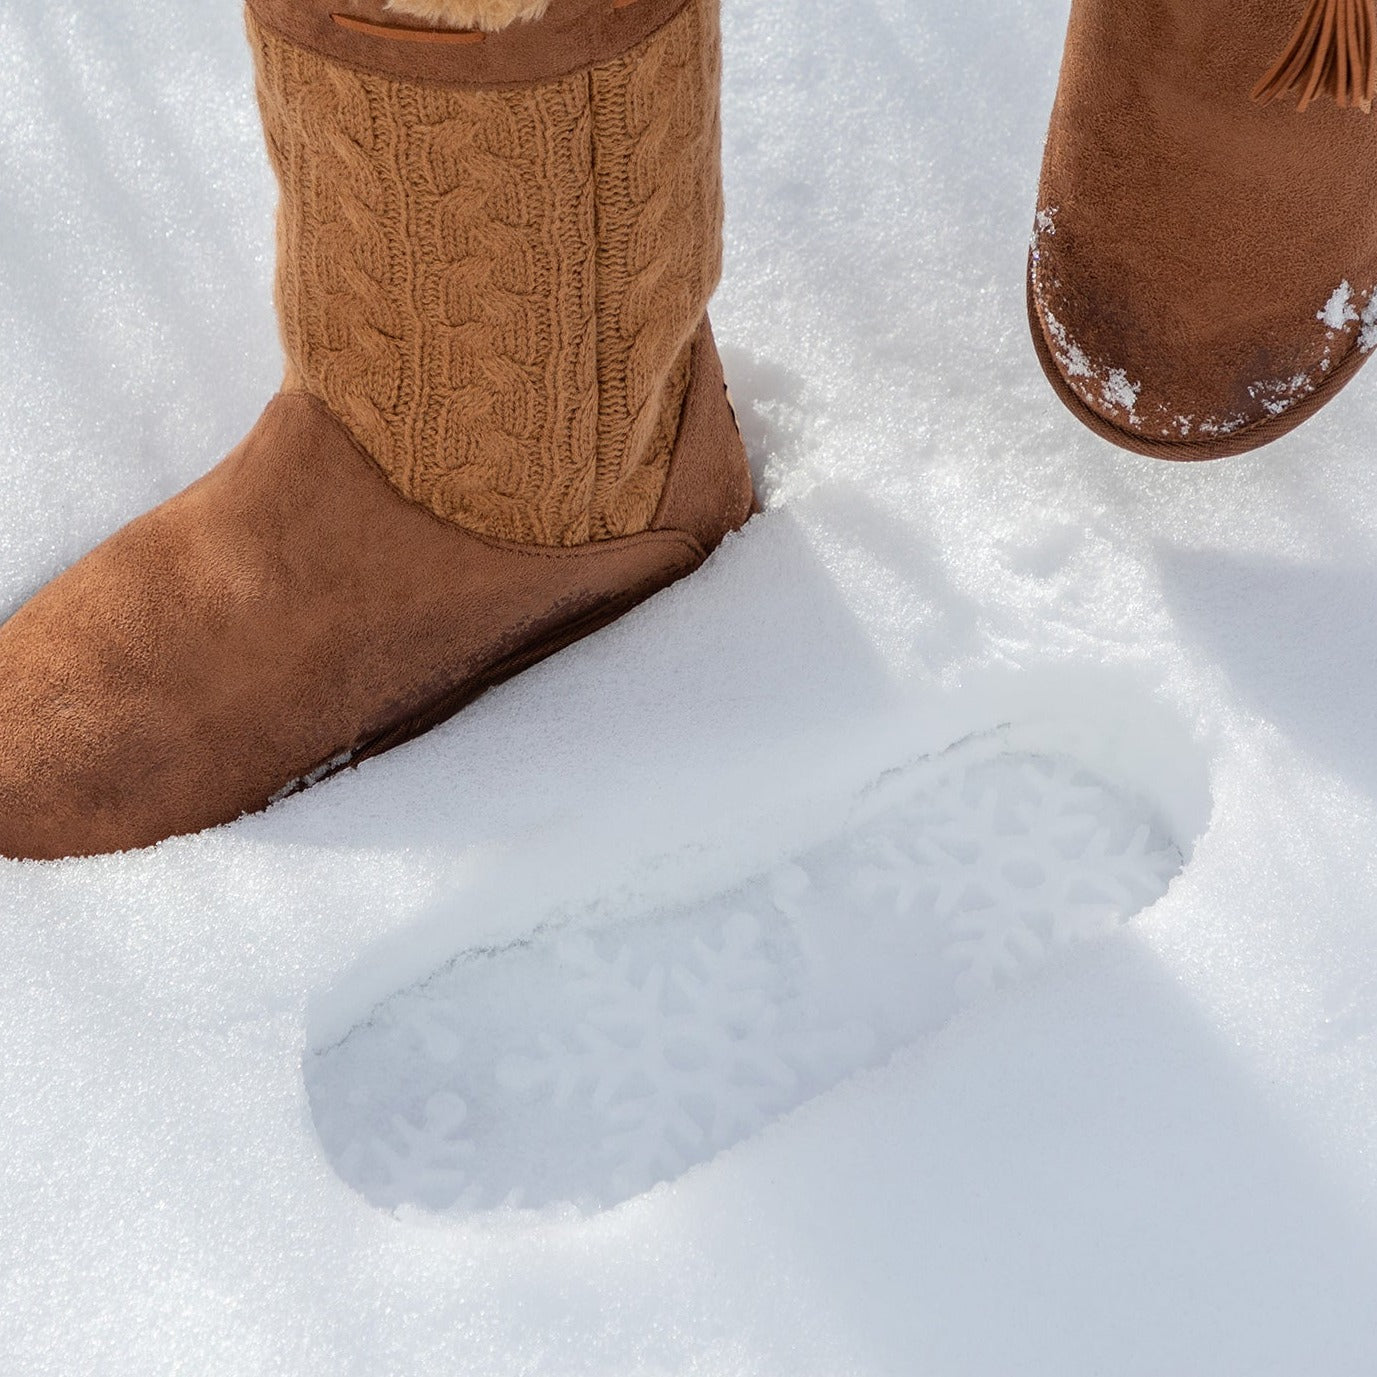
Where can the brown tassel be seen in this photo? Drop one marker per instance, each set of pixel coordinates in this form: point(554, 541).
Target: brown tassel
point(1333, 52)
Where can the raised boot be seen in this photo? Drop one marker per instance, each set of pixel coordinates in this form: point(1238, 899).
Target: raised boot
point(503, 422)
point(1204, 257)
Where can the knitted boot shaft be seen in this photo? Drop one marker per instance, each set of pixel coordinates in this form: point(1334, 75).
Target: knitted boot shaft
point(494, 287)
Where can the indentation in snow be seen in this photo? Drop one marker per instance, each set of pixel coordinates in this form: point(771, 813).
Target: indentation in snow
point(592, 1066)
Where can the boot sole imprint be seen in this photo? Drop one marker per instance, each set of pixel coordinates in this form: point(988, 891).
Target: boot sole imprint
point(1185, 451)
point(587, 1065)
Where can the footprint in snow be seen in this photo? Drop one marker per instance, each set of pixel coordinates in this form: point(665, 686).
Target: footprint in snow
point(589, 1068)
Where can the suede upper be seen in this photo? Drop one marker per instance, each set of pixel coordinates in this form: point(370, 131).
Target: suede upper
point(1203, 265)
point(290, 614)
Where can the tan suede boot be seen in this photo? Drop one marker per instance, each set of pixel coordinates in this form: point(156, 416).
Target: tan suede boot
point(1205, 252)
point(503, 424)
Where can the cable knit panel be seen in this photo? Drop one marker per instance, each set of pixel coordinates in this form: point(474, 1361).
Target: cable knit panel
point(659, 197)
point(494, 289)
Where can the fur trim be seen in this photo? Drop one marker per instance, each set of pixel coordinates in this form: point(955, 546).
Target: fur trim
point(490, 15)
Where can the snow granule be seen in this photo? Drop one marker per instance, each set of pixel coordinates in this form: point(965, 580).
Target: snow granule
point(1339, 310)
point(1073, 359)
point(1119, 392)
point(1367, 335)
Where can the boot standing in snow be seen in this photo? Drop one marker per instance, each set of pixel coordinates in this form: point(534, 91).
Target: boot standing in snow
point(503, 421)
point(1203, 274)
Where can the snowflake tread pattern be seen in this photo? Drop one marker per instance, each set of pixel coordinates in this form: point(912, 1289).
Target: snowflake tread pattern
point(592, 1066)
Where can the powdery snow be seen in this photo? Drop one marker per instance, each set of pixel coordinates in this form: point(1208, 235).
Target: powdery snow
point(1339, 309)
point(1119, 392)
point(1152, 1154)
point(1367, 335)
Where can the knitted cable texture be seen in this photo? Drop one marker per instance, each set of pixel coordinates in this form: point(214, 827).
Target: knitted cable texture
point(495, 289)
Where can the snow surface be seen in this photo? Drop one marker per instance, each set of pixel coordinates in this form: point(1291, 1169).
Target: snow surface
point(1153, 1157)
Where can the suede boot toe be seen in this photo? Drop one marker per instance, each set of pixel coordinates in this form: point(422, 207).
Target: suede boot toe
point(1204, 260)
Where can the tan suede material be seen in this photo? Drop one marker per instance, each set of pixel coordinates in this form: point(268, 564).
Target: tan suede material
point(288, 613)
point(495, 289)
point(1203, 266)
point(712, 494)
point(572, 35)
